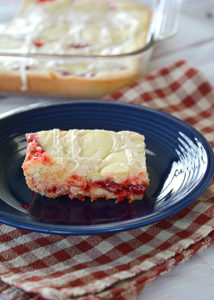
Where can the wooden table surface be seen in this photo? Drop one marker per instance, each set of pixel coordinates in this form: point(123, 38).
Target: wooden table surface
point(194, 42)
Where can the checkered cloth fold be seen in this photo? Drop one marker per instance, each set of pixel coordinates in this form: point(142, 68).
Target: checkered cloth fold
point(117, 266)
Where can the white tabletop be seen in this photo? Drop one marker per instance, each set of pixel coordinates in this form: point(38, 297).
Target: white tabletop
point(194, 42)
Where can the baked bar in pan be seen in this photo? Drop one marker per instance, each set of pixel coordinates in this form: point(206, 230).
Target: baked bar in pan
point(72, 27)
point(87, 163)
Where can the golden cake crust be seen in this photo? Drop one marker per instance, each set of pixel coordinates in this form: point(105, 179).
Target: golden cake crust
point(53, 84)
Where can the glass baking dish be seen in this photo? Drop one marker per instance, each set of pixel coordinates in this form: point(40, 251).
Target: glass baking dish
point(81, 74)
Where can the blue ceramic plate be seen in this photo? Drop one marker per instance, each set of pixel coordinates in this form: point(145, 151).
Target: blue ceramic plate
point(180, 165)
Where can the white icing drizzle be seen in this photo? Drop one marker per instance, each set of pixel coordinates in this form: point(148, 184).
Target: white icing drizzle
point(129, 155)
point(57, 145)
point(23, 63)
point(74, 143)
point(23, 75)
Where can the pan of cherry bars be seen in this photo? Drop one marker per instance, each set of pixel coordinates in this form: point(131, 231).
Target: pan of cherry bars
point(81, 49)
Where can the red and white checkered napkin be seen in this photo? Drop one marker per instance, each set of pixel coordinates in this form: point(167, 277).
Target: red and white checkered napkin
point(117, 266)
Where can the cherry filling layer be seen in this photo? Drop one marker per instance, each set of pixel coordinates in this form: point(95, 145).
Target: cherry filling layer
point(116, 188)
point(120, 191)
point(35, 149)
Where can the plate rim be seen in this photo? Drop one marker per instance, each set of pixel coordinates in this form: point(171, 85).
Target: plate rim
point(127, 224)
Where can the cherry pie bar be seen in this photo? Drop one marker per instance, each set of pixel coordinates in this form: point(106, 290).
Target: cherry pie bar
point(86, 163)
point(72, 27)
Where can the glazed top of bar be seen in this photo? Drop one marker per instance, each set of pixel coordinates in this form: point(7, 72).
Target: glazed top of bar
point(98, 154)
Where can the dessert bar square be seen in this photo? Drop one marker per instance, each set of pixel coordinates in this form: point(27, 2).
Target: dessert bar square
point(86, 163)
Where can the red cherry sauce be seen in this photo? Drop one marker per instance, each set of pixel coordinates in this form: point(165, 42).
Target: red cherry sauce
point(64, 73)
point(45, 1)
point(25, 206)
point(78, 46)
point(38, 43)
point(35, 149)
point(122, 191)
